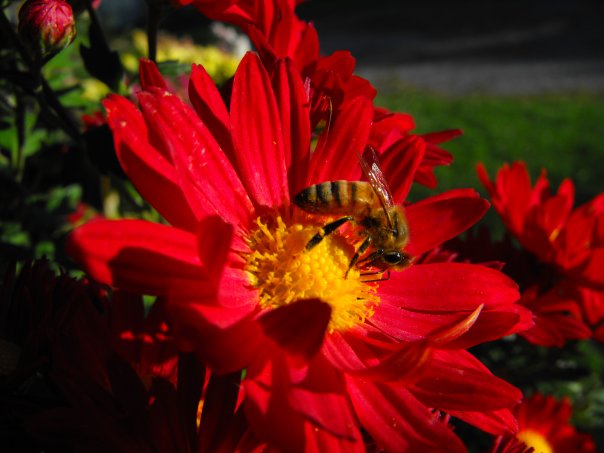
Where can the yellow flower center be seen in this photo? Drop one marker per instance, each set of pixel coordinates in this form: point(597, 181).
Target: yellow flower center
point(284, 271)
point(536, 440)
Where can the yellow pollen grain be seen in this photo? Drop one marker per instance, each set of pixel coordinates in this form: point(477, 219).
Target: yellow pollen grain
point(284, 271)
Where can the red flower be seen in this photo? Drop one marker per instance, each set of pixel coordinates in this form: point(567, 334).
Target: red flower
point(544, 424)
point(568, 242)
point(325, 352)
point(48, 26)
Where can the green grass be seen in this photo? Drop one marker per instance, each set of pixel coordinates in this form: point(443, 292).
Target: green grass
point(562, 133)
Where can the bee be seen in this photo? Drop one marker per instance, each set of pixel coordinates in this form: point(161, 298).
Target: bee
point(368, 204)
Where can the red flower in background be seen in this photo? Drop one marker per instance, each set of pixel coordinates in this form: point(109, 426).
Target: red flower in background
point(544, 425)
point(325, 353)
point(63, 387)
point(569, 244)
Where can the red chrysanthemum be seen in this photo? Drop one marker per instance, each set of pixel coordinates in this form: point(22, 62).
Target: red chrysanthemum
point(569, 244)
point(327, 354)
point(544, 425)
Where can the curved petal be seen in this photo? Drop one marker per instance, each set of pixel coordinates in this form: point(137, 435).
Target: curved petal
point(400, 162)
point(226, 338)
point(294, 112)
point(320, 396)
point(210, 107)
point(287, 412)
point(398, 421)
point(495, 422)
point(150, 76)
point(298, 328)
point(154, 176)
point(139, 256)
point(440, 218)
point(447, 287)
point(206, 175)
point(412, 325)
point(449, 382)
point(257, 135)
point(340, 144)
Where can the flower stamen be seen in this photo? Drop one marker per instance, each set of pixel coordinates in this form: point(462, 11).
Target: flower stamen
point(284, 271)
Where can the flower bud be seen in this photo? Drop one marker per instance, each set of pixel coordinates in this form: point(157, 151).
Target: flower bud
point(48, 26)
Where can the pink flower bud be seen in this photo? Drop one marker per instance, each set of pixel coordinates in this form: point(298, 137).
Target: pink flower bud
point(48, 26)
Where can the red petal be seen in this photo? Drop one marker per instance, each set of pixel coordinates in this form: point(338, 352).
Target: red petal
point(398, 421)
point(215, 251)
point(257, 135)
point(150, 76)
point(226, 338)
point(340, 144)
point(399, 164)
point(495, 422)
point(295, 122)
point(154, 176)
point(210, 107)
point(206, 176)
point(411, 325)
point(448, 287)
point(438, 219)
point(298, 328)
point(511, 194)
point(321, 397)
point(447, 384)
point(139, 256)
point(442, 136)
point(402, 365)
point(319, 440)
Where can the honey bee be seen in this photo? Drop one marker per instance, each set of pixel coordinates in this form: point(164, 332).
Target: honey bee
point(368, 204)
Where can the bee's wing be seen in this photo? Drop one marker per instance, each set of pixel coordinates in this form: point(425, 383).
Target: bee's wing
point(371, 169)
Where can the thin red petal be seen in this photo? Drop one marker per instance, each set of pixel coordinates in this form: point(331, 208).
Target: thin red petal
point(150, 76)
point(399, 164)
point(399, 422)
point(206, 176)
point(154, 176)
point(295, 122)
point(257, 135)
point(496, 422)
point(210, 107)
point(447, 384)
point(340, 144)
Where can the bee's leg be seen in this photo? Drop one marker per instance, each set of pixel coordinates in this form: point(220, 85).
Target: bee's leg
point(364, 246)
point(326, 230)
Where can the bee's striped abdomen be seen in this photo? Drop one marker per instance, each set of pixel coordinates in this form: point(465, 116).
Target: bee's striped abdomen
point(335, 197)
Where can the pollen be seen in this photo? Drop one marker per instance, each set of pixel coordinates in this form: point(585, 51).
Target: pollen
point(285, 271)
